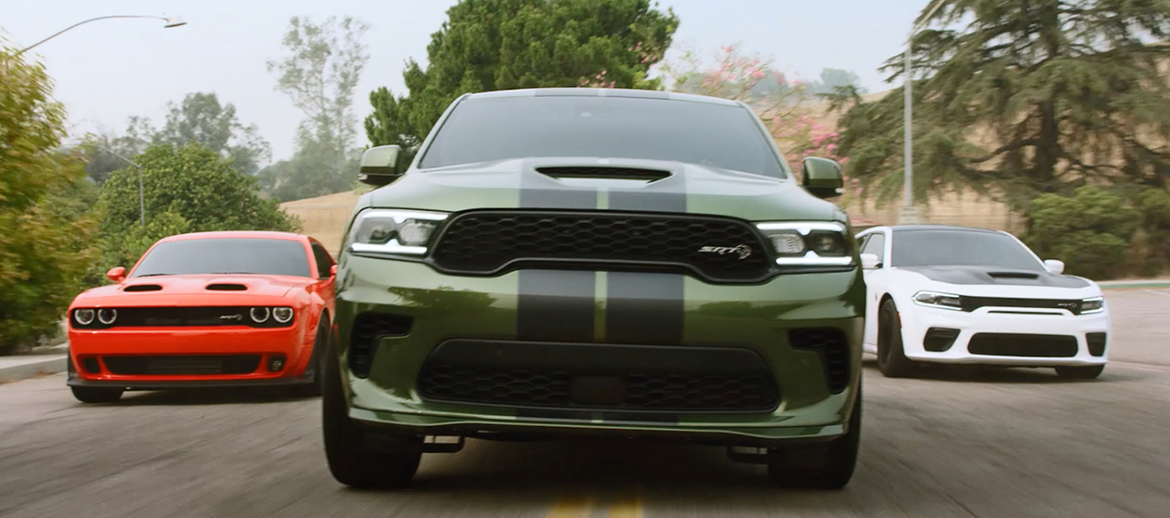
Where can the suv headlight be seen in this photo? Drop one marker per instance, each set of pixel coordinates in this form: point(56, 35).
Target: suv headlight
point(811, 243)
point(397, 232)
point(1092, 305)
point(938, 300)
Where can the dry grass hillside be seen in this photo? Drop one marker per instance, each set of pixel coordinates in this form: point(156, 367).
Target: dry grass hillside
point(324, 217)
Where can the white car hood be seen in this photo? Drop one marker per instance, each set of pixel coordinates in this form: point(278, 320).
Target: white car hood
point(991, 282)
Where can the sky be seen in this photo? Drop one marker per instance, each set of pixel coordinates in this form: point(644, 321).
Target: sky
point(110, 70)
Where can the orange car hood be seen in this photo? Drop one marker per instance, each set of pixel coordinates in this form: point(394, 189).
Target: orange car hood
point(180, 288)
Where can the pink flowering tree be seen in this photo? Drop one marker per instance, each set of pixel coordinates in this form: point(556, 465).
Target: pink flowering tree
point(784, 103)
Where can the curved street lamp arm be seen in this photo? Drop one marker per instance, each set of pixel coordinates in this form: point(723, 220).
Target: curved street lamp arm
point(58, 33)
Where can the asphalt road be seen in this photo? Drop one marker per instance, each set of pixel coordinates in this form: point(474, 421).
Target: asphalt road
point(964, 443)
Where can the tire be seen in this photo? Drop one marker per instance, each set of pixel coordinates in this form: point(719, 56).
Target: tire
point(836, 461)
point(97, 394)
point(892, 360)
point(313, 388)
point(350, 461)
point(1080, 373)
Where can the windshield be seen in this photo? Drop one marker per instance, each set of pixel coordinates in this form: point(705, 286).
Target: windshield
point(483, 130)
point(226, 255)
point(960, 248)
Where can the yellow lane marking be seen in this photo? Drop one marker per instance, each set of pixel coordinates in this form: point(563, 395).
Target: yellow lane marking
point(572, 507)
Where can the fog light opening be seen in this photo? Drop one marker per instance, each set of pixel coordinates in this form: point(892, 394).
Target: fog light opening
point(275, 363)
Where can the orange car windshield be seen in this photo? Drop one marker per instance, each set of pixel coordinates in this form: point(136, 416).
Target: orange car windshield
point(225, 256)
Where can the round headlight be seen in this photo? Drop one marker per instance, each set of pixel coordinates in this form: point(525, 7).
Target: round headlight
point(83, 316)
point(107, 316)
point(282, 315)
point(260, 315)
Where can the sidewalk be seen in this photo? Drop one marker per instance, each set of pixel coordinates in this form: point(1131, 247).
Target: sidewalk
point(39, 361)
point(1135, 284)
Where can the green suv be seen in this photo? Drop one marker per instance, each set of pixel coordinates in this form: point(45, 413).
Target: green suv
point(596, 263)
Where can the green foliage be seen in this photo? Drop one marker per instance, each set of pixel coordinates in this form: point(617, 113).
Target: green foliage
point(44, 247)
point(1025, 98)
point(319, 73)
point(1154, 205)
point(489, 45)
point(202, 120)
point(833, 78)
point(187, 189)
point(1090, 231)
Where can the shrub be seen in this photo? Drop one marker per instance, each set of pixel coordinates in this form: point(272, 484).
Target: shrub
point(1090, 231)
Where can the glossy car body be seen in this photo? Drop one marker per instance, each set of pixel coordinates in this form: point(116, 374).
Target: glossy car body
point(993, 311)
point(197, 329)
point(593, 294)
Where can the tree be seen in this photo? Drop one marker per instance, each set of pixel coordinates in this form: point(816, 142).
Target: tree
point(101, 151)
point(1028, 98)
point(323, 65)
point(202, 120)
point(488, 45)
point(187, 189)
point(834, 78)
point(44, 247)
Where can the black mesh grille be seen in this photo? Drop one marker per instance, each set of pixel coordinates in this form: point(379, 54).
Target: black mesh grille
point(973, 303)
point(1096, 342)
point(368, 328)
point(195, 316)
point(491, 242)
point(833, 348)
point(599, 377)
point(1027, 345)
point(939, 339)
point(182, 365)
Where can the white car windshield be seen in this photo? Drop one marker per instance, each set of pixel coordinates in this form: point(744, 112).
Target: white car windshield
point(929, 247)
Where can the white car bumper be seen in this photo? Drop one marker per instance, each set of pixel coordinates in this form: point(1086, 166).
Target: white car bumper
point(992, 336)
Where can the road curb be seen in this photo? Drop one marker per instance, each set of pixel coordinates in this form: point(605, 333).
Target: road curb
point(1133, 285)
point(32, 368)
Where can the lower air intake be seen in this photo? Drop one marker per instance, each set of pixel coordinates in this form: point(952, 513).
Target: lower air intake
point(182, 365)
point(368, 329)
point(1023, 345)
point(832, 346)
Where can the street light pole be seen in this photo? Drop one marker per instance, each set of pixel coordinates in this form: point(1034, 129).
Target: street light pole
point(909, 213)
point(172, 21)
point(141, 197)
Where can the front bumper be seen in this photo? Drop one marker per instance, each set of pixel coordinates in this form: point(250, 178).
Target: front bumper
point(755, 318)
point(1036, 324)
point(91, 351)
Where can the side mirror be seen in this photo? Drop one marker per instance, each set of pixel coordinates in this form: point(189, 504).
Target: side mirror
point(870, 261)
point(333, 271)
point(117, 274)
point(1054, 266)
point(822, 177)
point(380, 166)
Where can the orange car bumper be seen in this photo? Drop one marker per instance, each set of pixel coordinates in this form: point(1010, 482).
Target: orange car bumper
point(160, 358)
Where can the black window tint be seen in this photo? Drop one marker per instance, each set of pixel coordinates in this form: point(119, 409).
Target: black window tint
point(960, 248)
point(876, 245)
point(324, 262)
point(483, 130)
point(226, 255)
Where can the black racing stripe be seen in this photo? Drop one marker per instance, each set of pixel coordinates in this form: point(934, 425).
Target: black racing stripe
point(555, 305)
point(644, 308)
point(647, 308)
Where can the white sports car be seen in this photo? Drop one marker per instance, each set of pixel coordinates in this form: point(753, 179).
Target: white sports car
point(947, 294)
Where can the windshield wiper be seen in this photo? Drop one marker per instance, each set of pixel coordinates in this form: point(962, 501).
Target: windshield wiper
point(154, 274)
point(234, 273)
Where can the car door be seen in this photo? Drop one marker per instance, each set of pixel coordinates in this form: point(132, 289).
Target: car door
point(876, 242)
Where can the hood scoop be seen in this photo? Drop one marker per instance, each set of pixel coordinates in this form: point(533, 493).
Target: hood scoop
point(226, 287)
point(605, 172)
point(142, 287)
point(1013, 275)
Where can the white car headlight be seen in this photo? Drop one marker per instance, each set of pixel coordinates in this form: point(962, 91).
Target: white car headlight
point(395, 232)
point(938, 300)
point(813, 243)
point(1092, 305)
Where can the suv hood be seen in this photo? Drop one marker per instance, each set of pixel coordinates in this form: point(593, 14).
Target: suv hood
point(536, 183)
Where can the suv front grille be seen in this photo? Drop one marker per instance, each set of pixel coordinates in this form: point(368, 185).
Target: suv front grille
point(489, 242)
point(601, 377)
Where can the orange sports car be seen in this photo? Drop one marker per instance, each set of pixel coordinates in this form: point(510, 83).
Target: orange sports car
point(205, 309)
